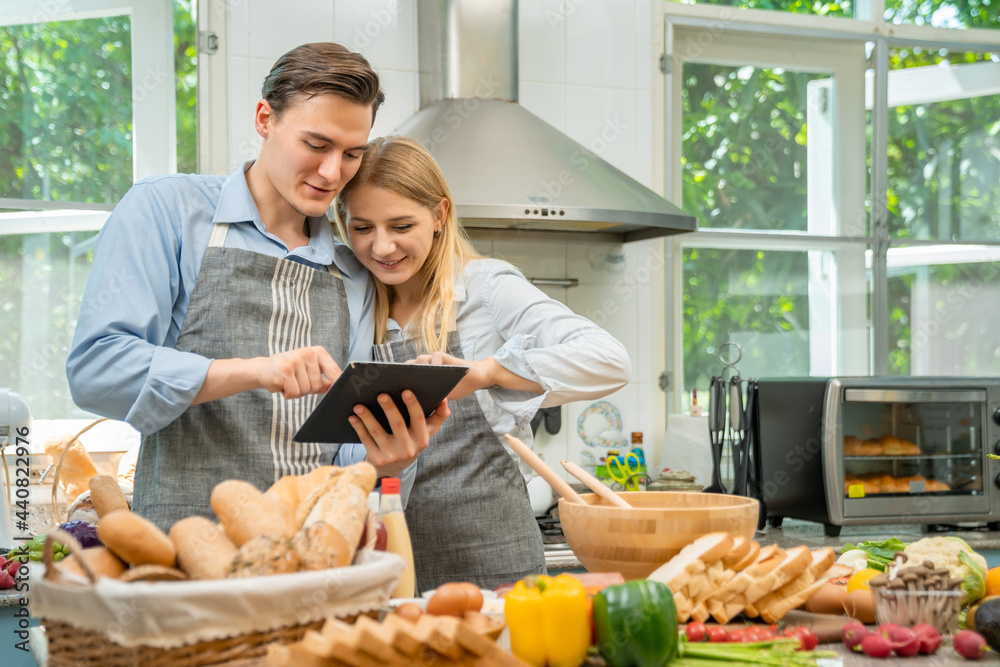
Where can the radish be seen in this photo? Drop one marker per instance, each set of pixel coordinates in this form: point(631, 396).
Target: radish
point(905, 642)
point(929, 638)
point(876, 646)
point(853, 633)
point(970, 645)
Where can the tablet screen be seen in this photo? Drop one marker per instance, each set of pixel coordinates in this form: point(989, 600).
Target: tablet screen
point(362, 382)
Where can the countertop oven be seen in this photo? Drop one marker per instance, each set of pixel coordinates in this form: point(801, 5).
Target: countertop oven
point(845, 451)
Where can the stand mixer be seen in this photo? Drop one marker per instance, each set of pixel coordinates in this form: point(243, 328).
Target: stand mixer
point(14, 415)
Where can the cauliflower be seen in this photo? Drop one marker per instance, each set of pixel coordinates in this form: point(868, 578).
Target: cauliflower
point(954, 554)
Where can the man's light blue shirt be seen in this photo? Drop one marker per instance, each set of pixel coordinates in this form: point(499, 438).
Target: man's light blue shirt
point(122, 363)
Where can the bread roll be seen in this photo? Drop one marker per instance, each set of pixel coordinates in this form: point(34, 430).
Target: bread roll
point(136, 540)
point(203, 550)
point(265, 555)
point(320, 547)
point(106, 495)
point(285, 490)
point(245, 513)
point(102, 563)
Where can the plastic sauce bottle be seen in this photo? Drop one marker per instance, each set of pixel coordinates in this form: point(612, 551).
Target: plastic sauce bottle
point(390, 510)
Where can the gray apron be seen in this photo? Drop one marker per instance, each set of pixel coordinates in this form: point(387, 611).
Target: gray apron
point(244, 305)
point(469, 515)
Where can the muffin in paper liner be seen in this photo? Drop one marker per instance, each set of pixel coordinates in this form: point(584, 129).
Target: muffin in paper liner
point(178, 613)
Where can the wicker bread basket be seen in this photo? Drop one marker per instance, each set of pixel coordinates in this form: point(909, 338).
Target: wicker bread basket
point(109, 623)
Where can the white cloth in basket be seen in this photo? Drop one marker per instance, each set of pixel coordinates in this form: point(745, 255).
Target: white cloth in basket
point(178, 613)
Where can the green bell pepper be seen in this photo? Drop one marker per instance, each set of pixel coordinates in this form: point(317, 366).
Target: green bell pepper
point(636, 624)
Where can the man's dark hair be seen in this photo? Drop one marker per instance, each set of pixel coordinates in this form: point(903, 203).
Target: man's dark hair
point(318, 69)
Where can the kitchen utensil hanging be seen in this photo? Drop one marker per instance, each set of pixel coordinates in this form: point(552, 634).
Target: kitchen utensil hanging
point(732, 417)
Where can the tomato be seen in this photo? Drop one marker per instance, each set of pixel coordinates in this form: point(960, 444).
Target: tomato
point(717, 633)
point(754, 633)
point(807, 638)
point(736, 635)
point(696, 632)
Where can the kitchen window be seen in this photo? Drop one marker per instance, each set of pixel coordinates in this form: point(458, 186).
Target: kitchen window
point(781, 131)
point(89, 103)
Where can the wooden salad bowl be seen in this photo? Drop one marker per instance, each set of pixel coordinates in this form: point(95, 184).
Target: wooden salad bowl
point(659, 524)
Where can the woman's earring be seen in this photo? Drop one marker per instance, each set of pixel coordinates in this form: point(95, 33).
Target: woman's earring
point(437, 232)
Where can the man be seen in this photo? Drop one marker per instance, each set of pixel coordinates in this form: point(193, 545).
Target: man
point(218, 309)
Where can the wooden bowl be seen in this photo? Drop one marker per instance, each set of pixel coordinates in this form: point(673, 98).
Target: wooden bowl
point(636, 541)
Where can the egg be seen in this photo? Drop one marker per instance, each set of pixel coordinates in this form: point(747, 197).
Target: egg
point(860, 605)
point(411, 611)
point(454, 599)
point(828, 599)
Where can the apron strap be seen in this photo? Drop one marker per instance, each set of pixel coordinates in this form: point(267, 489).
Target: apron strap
point(218, 239)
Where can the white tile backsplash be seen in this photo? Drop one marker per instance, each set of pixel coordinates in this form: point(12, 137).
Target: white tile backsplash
point(384, 31)
point(547, 101)
point(598, 263)
point(400, 101)
point(643, 370)
point(274, 28)
point(543, 260)
point(240, 124)
point(604, 306)
point(643, 171)
point(645, 61)
point(604, 120)
point(542, 41)
point(236, 29)
point(600, 43)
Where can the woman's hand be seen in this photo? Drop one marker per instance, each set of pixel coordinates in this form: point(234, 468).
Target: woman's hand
point(483, 374)
point(478, 377)
point(391, 452)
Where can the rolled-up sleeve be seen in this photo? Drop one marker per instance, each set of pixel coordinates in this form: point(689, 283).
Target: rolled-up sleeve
point(118, 365)
point(567, 354)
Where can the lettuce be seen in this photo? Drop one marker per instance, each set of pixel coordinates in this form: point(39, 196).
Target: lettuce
point(880, 554)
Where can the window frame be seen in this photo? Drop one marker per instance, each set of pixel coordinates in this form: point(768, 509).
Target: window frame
point(154, 125)
point(723, 30)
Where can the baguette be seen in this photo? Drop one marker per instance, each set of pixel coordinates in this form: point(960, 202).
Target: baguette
point(345, 508)
point(312, 487)
point(203, 550)
point(136, 540)
point(245, 513)
point(106, 496)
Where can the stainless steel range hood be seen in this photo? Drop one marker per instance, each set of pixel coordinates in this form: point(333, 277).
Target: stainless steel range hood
point(508, 169)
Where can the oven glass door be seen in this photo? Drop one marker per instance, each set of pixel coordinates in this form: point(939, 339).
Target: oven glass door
point(913, 452)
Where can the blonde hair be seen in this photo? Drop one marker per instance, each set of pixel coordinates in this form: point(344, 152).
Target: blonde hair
point(403, 166)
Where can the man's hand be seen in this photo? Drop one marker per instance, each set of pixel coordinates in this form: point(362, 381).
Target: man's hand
point(306, 370)
point(391, 452)
point(296, 373)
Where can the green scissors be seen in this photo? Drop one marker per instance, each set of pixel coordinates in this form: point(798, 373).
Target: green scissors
point(625, 471)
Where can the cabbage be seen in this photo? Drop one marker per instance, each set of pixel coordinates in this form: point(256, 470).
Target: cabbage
point(84, 532)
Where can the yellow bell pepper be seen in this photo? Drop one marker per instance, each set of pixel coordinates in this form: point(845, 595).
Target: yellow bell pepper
point(549, 620)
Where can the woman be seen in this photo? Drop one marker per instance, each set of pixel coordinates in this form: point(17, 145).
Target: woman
point(438, 301)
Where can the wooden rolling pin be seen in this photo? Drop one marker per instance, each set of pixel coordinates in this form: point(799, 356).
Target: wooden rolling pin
point(596, 485)
point(542, 468)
